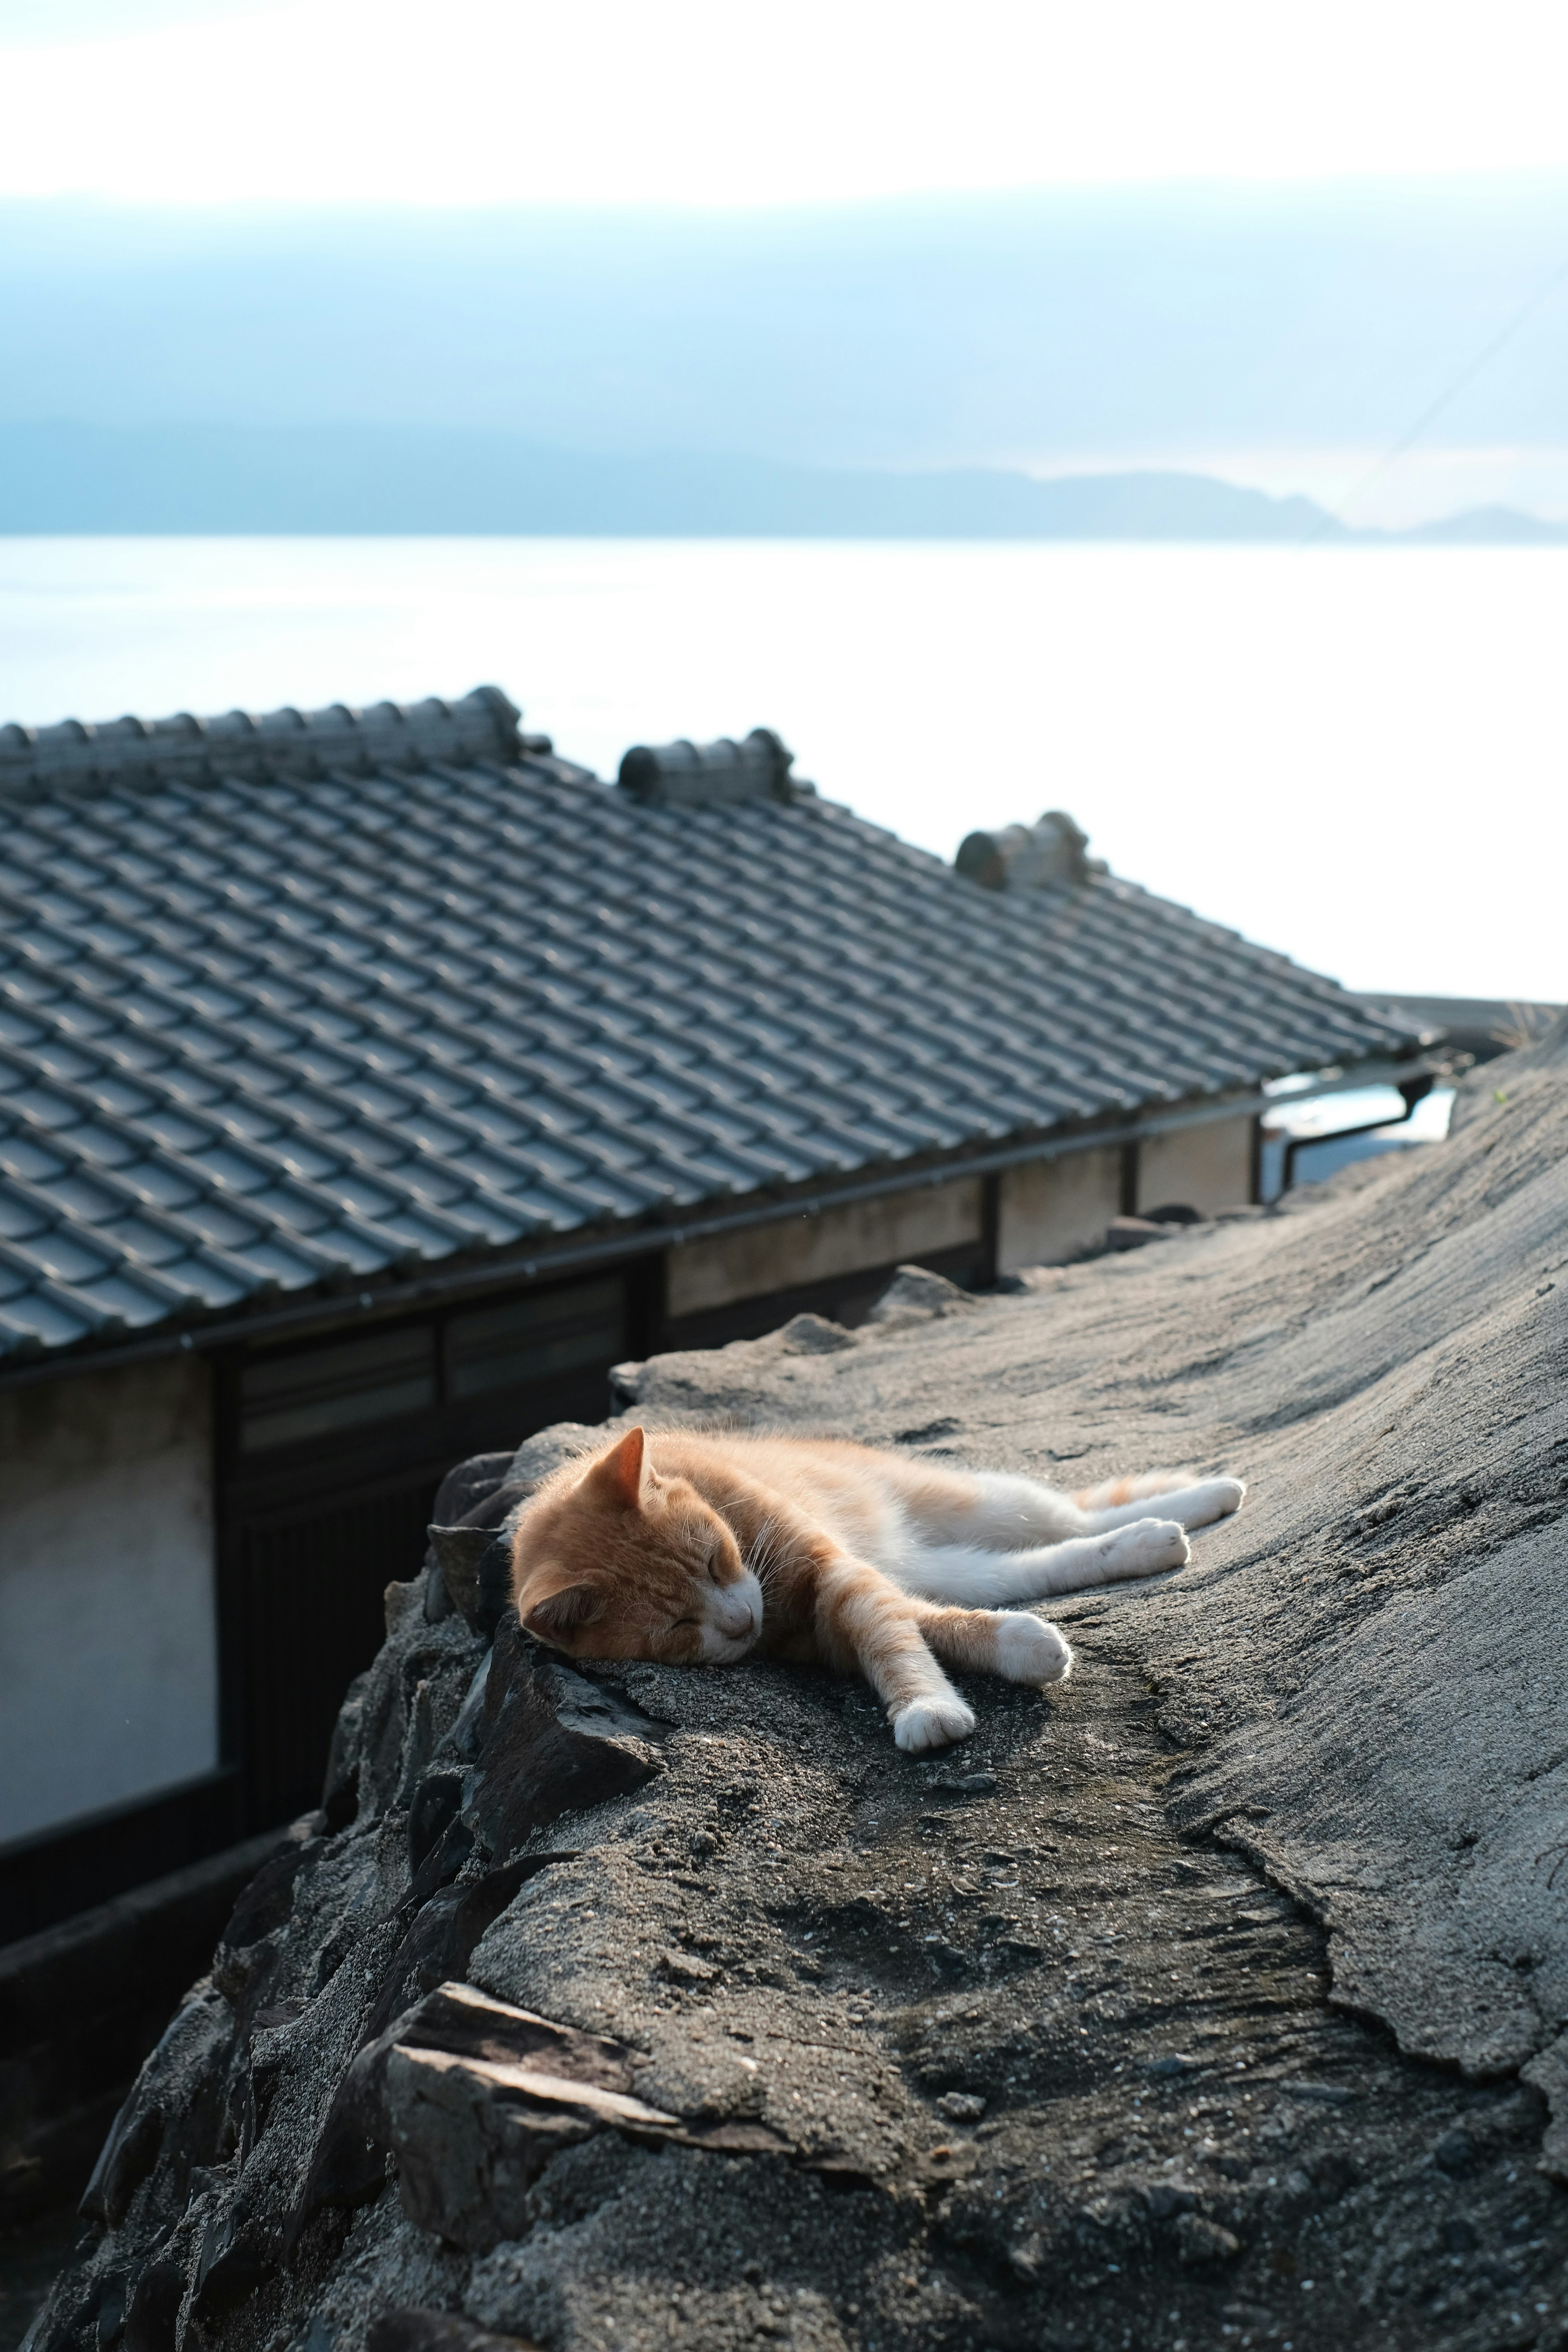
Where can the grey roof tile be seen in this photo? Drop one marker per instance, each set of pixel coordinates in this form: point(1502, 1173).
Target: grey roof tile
point(295, 999)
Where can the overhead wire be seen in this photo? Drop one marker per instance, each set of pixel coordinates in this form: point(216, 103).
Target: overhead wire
point(1451, 390)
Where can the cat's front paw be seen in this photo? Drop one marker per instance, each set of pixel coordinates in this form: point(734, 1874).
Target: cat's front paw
point(1145, 1548)
point(1028, 1650)
point(931, 1723)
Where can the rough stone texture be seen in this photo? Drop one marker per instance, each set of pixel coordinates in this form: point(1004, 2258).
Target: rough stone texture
point(1217, 1995)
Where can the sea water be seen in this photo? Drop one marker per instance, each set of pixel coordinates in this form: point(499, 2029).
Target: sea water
point(1356, 755)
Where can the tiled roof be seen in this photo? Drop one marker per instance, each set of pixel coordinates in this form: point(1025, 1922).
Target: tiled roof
point(262, 1032)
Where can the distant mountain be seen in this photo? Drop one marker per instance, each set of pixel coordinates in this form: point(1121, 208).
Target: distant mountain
point(1491, 527)
point(68, 478)
point(390, 480)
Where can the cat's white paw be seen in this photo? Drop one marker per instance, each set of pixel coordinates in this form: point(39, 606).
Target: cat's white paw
point(1215, 1498)
point(1028, 1650)
point(1145, 1548)
point(931, 1723)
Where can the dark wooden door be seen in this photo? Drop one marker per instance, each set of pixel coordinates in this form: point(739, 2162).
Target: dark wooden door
point(309, 1612)
point(330, 1455)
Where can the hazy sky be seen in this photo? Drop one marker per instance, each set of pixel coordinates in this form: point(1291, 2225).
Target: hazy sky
point(712, 102)
point(1281, 335)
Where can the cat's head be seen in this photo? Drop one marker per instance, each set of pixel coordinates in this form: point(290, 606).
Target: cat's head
point(622, 1563)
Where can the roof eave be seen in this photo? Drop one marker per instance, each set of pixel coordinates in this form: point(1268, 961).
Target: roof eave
point(394, 1292)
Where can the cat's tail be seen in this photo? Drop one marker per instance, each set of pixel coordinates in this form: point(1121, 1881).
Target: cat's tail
point(1132, 1490)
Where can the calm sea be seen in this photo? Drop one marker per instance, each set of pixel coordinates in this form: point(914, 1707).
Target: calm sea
point(1356, 755)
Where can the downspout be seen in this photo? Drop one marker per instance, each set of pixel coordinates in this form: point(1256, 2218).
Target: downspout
point(1411, 1091)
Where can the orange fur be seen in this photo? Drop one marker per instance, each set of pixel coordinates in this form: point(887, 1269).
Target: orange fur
point(1130, 1490)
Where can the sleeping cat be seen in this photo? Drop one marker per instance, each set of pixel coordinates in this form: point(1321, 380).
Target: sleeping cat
point(688, 1547)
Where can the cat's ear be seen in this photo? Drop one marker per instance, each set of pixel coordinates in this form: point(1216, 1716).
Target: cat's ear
point(562, 1613)
point(618, 1474)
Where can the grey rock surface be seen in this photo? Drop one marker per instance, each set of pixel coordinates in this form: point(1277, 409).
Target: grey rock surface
point(1218, 1994)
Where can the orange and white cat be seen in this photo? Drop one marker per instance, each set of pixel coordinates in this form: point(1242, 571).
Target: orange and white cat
point(695, 1548)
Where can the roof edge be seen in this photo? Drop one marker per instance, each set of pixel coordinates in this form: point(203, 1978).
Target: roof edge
point(37, 761)
point(580, 1248)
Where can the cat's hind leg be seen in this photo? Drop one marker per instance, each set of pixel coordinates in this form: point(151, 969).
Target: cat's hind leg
point(1111, 1491)
point(999, 1580)
point(1195, 1505)
point(1009, 1512)
point(997, 1510)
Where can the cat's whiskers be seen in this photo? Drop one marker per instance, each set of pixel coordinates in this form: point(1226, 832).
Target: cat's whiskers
point(763, 1556)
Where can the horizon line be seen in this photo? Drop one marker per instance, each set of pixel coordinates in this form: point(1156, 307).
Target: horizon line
point(285, 206)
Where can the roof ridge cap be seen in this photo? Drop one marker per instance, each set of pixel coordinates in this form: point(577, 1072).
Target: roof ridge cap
point(73, 755)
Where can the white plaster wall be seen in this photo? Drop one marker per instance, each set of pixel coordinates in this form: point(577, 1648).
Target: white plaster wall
point(108, 1625)
point(1050, 1208)
point(1209, 1167)
point(814, 1249)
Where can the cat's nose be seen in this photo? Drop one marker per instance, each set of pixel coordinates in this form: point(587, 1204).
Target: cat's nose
point(735, 1615)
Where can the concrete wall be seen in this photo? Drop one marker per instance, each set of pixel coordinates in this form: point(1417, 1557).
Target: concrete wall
point(1209, 1167)
point(1052, 1208)
point(814, 1249)
point(1049, 1209)
point(107, 1628)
